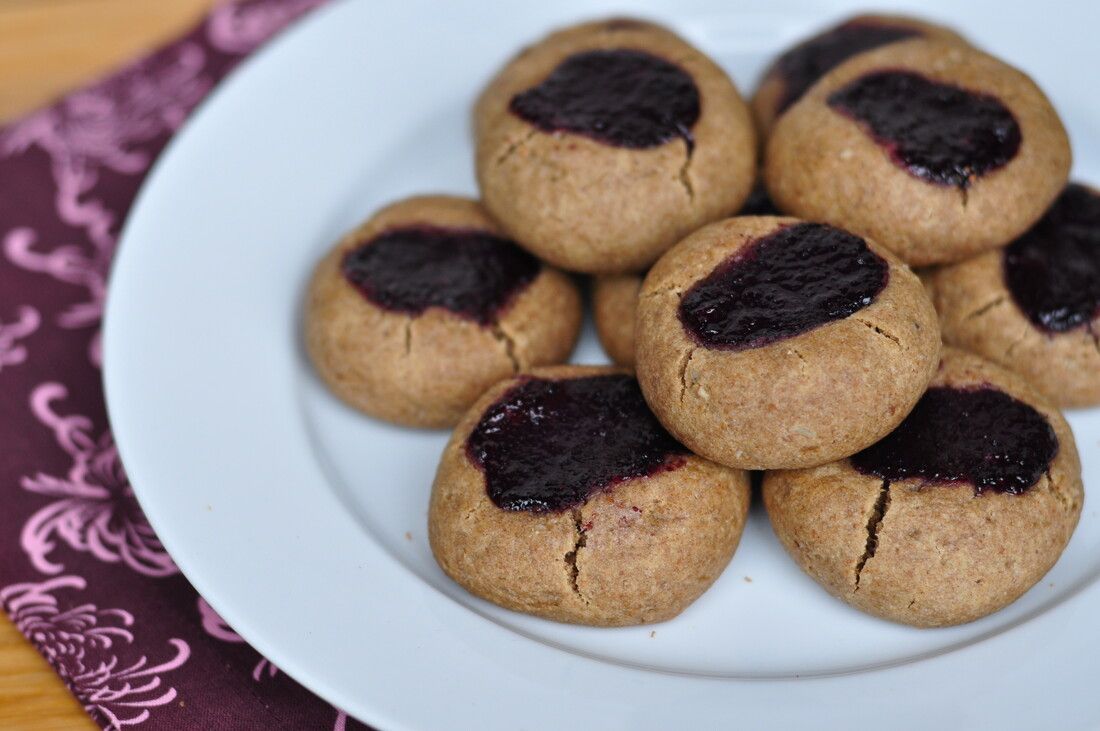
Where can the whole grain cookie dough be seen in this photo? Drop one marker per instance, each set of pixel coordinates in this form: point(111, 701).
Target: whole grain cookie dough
point(615, 297)
point(605, 143)
point(768, 342)
point(614, 302)
point(560, 495)
point(420, 309)
point(933, 149)
point(799, 68)
point(954, 515)
point(1034, 306)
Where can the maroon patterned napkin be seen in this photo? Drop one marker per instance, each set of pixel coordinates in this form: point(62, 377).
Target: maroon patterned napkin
point(82, 574)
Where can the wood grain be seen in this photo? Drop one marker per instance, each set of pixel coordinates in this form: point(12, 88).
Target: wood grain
point(32, 697)
point(48, 47)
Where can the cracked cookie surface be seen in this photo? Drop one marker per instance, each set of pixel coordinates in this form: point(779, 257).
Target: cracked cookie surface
point(561, 141)
point(412, 315)
point(799, 68)
point(935, 549)
point(938, 132)
point(615, 297)
point(932, 148)
point(809, 392)
point(619, 96)
point(608, 540)
point(1034, 307)
point(979, 436)
point(779, 286)
point(549, 445)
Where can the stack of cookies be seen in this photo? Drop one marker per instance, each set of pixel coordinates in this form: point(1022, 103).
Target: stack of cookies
point(752, 279)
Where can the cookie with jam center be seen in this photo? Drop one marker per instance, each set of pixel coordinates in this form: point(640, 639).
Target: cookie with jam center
point(953, 516)
point(934, 149)
point(615, 297)
point(561, 495)
point(605, 143)
point(1034, 306)
point(769, 342)
point(795, 71)
point(412, 315)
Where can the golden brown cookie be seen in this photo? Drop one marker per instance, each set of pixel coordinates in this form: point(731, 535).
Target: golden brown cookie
point(614, 300)
point(420, 309)
point(953, 516)
point(933, 149)
point(767, 342)
point(615, 297)
point(800, 67)
point(603, 144)
point(560, 495)
point(1034, 307)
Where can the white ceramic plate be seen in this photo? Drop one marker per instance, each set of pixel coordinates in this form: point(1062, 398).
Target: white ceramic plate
point(303, 523)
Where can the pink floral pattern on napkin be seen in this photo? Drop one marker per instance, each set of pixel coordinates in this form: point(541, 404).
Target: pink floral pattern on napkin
point(84, 644)
point(82, 574)
point(95, 510)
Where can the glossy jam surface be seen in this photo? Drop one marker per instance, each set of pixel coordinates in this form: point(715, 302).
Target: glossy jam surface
point(549, 445)
point(782, 285)
point(940, 133)
point(619, 97)
point(1053, 271)
point(807, 62)
point(979, 436)
point(471, 273)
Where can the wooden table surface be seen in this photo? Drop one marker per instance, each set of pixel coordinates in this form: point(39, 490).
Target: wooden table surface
point(46, 48)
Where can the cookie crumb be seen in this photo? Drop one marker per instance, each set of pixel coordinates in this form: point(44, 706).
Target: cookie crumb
point(748, 579)
point(652, 634)
point(408, 536)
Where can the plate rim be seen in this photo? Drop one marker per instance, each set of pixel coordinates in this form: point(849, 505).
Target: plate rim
point(120, 410)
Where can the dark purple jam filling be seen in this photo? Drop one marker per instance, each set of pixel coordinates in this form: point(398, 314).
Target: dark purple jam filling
point(759, 203)
point(784, 284)
point(619, 97)
point(549, 445)
point(1053, 271)
point(937, 132)
point(979, 436)
point(471, 273)
point(807, 62)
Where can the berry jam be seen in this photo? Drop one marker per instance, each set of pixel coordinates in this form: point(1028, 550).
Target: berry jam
point(471, 273)
point(1053, 271)
point(937, 132)
point(549, 445)
point(980, 436)
point(619, 97)
point(807, 62)
point(782, 285)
